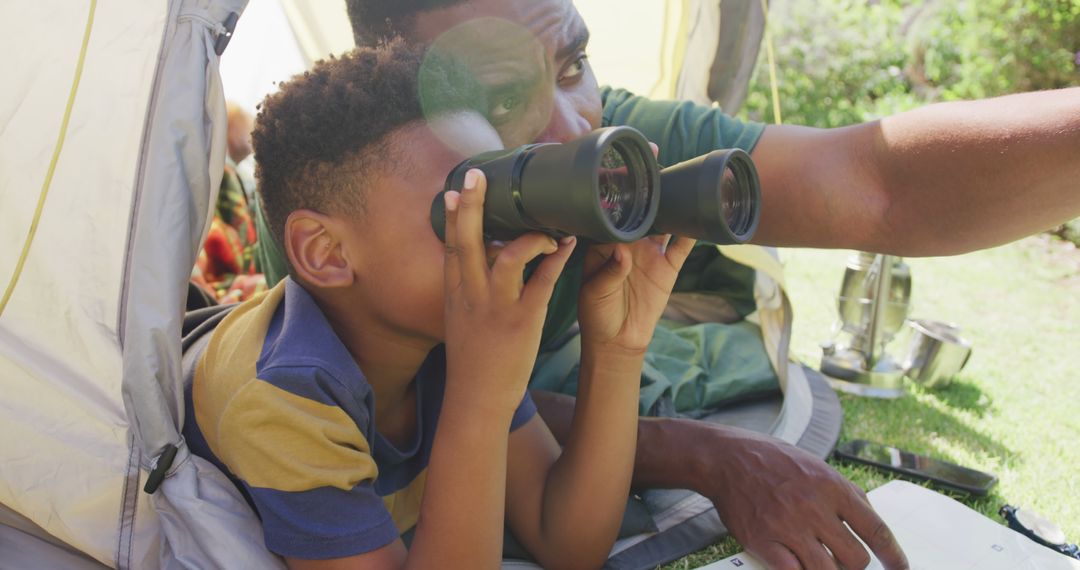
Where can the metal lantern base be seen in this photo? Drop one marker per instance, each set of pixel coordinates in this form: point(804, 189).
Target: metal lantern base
point(844, 371)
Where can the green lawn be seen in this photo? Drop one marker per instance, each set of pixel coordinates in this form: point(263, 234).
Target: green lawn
point(1013, 411)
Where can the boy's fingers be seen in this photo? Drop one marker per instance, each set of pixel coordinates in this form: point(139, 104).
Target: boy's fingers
point(542, 281)
point(611, 275)
point(506, 273)
point(470, 229)
point(452, 263)
point(492, 249)
point(678, 249)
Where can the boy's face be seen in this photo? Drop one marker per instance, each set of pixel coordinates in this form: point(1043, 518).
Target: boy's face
point(400, 258)
point(541, 90)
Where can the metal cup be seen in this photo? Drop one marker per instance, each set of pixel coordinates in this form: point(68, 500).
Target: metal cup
point(936, 353)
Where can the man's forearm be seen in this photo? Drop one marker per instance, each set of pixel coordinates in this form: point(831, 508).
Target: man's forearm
point(980, 173)
point(671, 453)
point(940, 180)
point(779, 501)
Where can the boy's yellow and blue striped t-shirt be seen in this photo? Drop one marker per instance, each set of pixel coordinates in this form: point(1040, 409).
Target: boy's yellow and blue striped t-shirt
point(279, 404)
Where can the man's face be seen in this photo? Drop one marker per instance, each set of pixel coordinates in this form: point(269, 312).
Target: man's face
point(530, 56)
point(400, 259)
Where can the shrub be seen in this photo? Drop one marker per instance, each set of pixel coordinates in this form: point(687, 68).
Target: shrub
point(846, 61)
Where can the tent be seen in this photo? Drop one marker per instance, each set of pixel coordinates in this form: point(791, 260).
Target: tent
point(111, 151)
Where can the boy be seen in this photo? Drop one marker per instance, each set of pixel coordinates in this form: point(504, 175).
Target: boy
point(382, 386)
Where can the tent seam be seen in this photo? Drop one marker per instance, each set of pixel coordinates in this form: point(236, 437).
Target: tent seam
point(123, 563)
point(135, 457)
point(140, 170)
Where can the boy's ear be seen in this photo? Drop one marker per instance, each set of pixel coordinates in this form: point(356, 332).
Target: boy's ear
point(315, 249)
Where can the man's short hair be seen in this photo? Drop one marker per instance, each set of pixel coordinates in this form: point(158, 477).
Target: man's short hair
point(374, 21)
point(323, 134)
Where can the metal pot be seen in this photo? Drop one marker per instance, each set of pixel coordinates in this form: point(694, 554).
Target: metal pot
point(936, 353)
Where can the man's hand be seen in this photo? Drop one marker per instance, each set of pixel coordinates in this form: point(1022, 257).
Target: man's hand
point(786, 506)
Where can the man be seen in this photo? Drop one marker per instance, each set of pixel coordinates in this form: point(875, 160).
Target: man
point(928, 182)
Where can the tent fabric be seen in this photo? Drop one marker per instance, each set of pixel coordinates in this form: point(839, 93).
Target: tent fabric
point(698, 49)
point(203, 522)
point(742, 26)
point(27, 545)
point(60, 360)
point(89, 344)
point(321, 28)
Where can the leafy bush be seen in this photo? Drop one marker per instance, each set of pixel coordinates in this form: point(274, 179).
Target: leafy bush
point(846, 61)
point(979, 49)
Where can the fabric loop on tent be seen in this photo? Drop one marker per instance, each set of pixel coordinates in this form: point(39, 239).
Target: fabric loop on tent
point(224, 36)
point(52, 163)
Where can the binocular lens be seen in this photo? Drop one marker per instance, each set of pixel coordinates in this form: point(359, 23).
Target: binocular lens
point(736, 202)
point(714, 197)
point(623, 188)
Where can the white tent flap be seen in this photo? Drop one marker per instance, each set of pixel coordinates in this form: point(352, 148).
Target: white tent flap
point(64, 462)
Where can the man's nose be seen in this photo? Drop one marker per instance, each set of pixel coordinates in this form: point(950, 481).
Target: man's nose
point(566, 123)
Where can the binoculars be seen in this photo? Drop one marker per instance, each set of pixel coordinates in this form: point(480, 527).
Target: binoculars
point(607, 187)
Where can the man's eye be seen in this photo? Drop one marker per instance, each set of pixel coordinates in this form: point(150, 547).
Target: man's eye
point(504, 106)
point(575, 69)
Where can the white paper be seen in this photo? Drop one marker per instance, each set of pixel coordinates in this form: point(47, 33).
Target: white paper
point(939, 533)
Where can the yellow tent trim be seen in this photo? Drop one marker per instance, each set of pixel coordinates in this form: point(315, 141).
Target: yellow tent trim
point(52, 163)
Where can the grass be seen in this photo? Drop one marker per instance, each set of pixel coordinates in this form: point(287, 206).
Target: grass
point(1013, 411)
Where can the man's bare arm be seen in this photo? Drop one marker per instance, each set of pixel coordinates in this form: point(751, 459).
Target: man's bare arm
point(781, 503)
point(940, 180)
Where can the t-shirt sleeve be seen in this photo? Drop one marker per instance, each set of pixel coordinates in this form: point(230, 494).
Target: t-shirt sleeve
point(683, 129)
point(296, 440)
point(524, 412)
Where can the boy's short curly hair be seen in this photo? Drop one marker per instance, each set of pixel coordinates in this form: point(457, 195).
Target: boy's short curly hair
point(323, 134)
point(375, 20)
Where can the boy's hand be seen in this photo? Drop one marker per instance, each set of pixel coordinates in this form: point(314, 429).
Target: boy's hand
point(626, 289)
point(494, 318)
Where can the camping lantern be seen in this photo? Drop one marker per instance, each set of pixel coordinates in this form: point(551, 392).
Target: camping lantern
point(873, 305)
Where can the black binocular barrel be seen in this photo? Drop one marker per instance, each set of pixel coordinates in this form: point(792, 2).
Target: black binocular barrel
point(715, 197)
point(607, 187)
point(601, 187)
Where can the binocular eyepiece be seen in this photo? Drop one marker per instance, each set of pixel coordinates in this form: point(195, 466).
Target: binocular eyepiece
point(607, 187)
